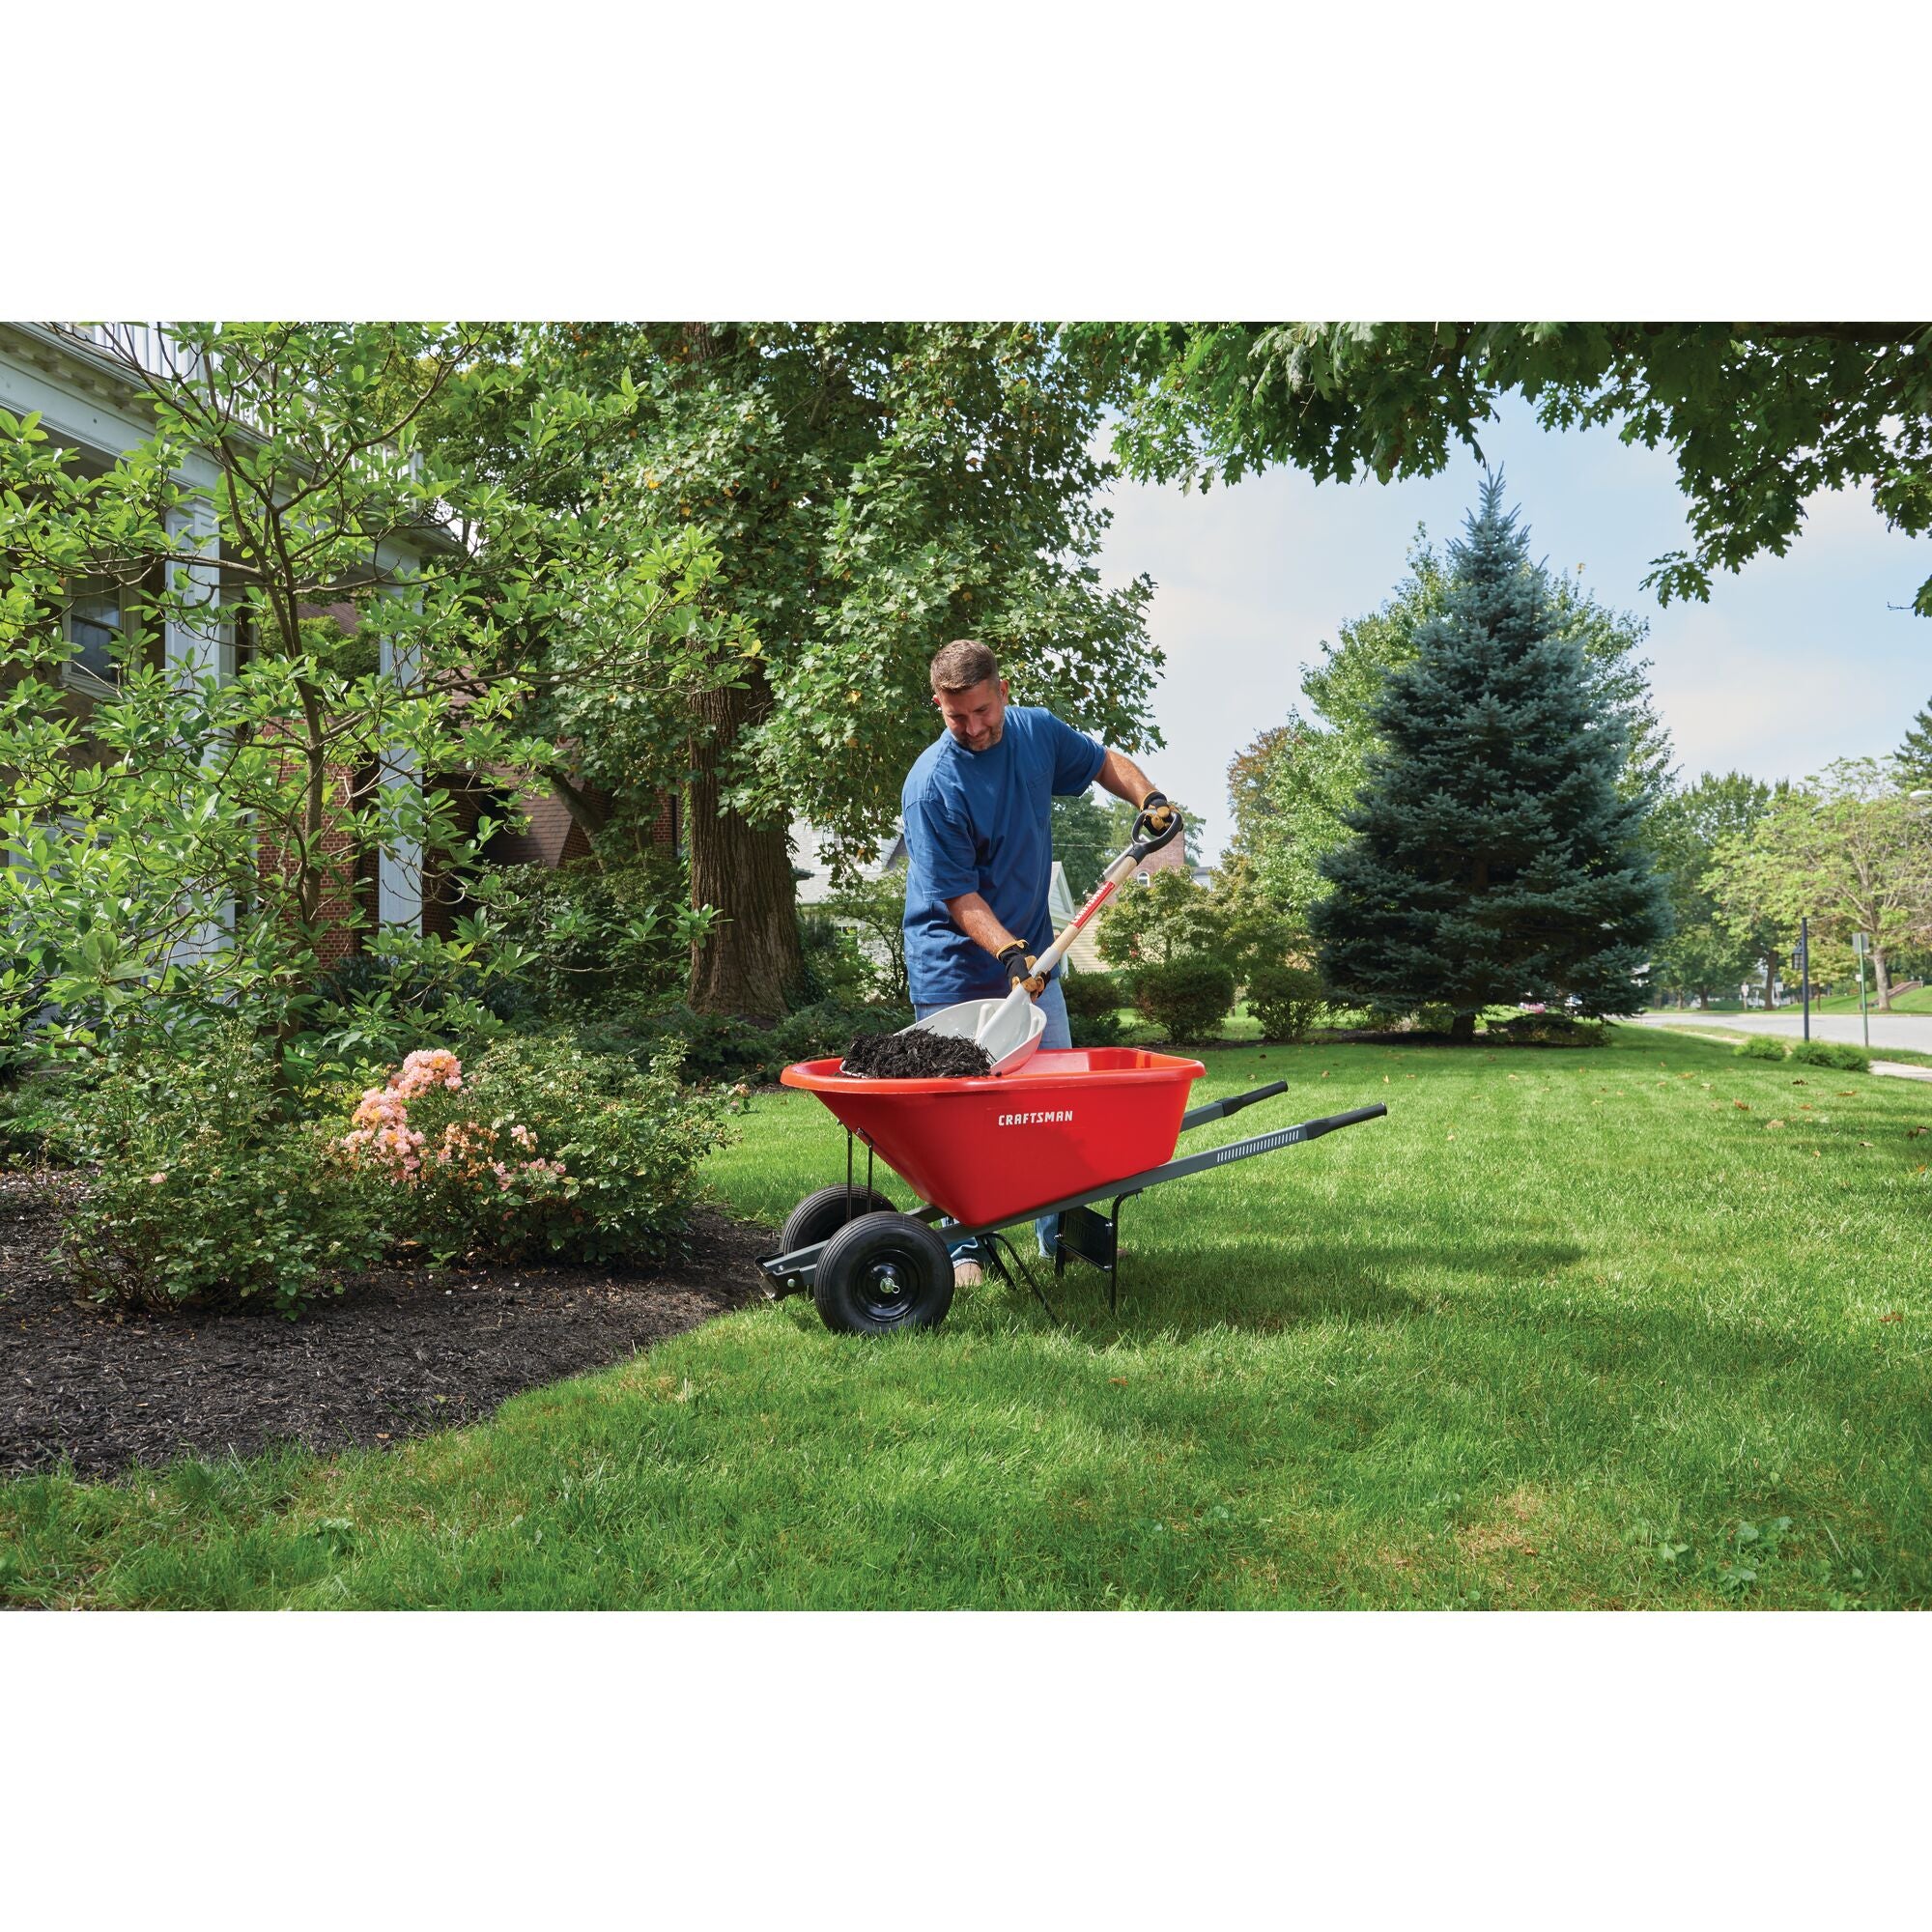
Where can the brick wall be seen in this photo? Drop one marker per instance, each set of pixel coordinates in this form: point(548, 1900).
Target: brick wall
point(343, 885)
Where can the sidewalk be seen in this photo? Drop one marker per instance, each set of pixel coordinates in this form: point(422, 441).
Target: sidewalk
point(1909, 1030)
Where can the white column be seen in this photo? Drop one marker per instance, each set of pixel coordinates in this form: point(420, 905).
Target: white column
point(194, 647)
point(398, 886)
point(191, 647)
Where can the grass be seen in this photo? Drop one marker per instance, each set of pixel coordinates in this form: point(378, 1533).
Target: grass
point(1917, 1000)
point(1569, 1328)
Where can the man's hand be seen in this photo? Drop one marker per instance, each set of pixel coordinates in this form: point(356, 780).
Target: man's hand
point(1019, 965)
point(1156, 816)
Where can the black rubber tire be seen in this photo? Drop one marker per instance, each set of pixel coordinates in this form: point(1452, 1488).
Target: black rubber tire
point(820, 1216)
point(883, 1272)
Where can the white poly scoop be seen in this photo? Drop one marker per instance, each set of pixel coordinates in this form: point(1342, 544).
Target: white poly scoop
point(1008, 1031)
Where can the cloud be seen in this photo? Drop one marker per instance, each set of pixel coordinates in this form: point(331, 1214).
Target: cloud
point(1794, 661)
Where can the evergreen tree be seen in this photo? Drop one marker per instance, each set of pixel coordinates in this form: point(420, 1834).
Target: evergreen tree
point(1915, 756)
point(1493, 857)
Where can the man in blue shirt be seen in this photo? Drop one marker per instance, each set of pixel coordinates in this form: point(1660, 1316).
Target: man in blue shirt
point(978, 832)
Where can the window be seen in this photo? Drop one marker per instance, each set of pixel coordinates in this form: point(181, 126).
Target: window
point(96, 620)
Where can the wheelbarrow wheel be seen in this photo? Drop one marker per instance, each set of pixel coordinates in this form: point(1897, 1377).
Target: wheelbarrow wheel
point(881, 1272)
point(820, 1216)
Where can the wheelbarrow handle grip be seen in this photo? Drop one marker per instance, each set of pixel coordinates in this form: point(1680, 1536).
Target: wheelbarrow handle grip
point(1315, 1129)
point(1219, 1110)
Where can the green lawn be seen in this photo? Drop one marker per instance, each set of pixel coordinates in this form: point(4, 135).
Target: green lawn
point(1568, 1328)
point(1917, 1000)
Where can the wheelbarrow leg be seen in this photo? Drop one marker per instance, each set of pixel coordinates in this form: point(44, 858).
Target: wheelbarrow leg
point(1018, 1272)
point(1095, 1239)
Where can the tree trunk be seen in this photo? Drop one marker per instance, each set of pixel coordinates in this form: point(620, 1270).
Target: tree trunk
point(1881, 978)
point(1462, 1029)
point(589, 812)
point(752, 955)
point(1769, 979)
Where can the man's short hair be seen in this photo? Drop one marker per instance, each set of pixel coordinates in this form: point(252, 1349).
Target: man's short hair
point(961, 665)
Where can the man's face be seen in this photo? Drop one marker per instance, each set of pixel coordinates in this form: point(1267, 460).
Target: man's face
point(976, 716)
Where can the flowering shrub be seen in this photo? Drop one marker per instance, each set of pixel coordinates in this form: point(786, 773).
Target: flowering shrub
point(539, 1147)
point(205, 1194)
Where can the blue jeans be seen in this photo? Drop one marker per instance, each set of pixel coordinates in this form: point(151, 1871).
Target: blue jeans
point(1053, 1004)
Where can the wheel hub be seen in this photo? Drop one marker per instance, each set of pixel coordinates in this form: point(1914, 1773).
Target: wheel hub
point(890, 1282)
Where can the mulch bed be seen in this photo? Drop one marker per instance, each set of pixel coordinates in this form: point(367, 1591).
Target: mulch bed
point(402, 1352)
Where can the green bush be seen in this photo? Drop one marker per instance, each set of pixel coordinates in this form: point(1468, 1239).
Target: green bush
point(1187, 999)
point(1840, 1054)
point(1094, 1003)
point(874, 913)
point(536, 1147)
point(1552, 1029)
point(713, 1048)
point(830, 965)
point(710, 1046)
point(815, 1032)
point(1760, 1046)
point(206, 1194)
point(1165, 919)
point(589, 933)
point(1287, 1000)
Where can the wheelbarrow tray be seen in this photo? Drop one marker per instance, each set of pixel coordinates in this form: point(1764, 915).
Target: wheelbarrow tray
point(985, 1150)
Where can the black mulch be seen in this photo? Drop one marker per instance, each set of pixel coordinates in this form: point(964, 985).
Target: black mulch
point(916, 1056)
point(401, 1353)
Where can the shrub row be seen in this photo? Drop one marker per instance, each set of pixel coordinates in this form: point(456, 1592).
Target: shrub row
point(206, 1194)
point(1840, 1055)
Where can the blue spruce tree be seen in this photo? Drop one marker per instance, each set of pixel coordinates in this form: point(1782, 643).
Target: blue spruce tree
point(1493, 859)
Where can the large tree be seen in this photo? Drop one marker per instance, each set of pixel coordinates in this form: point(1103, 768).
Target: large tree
point(1758, 415)
point(1710, 951)
point(1291, 788)
point(1850, 851)
point(872, 491)
point(1493, 857)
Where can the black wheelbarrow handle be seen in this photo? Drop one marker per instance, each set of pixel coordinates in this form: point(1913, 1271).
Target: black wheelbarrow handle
point(1219, 1110)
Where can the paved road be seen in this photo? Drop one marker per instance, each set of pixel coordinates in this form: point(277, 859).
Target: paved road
point(1911, 1030)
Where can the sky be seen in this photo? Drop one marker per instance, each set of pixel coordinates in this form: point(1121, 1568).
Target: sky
point(1794, 661)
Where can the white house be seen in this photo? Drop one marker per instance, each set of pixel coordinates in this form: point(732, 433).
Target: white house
point(809, 849)
point(80, 384)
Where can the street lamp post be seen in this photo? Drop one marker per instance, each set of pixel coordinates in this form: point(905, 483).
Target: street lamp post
point(1804, 970)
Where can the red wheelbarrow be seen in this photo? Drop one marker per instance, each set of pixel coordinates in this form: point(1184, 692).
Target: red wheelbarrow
point(1060, 1135)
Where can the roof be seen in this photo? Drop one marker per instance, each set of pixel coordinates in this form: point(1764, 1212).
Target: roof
point(69, 353)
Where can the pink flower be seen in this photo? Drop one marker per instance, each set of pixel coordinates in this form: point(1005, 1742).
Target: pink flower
point(425, 1069)
point(155, 1179)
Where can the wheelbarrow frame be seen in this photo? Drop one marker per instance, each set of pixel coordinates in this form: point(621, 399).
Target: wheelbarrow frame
point(1088, 1237)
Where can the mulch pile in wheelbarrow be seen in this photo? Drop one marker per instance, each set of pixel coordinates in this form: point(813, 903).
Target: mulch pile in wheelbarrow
point(916, 1056)
point(402, 1352)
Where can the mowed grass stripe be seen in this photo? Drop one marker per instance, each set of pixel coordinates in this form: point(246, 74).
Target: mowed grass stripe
point(1616, 1342)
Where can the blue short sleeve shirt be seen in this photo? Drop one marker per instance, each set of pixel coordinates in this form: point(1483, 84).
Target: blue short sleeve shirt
point(982, 822)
